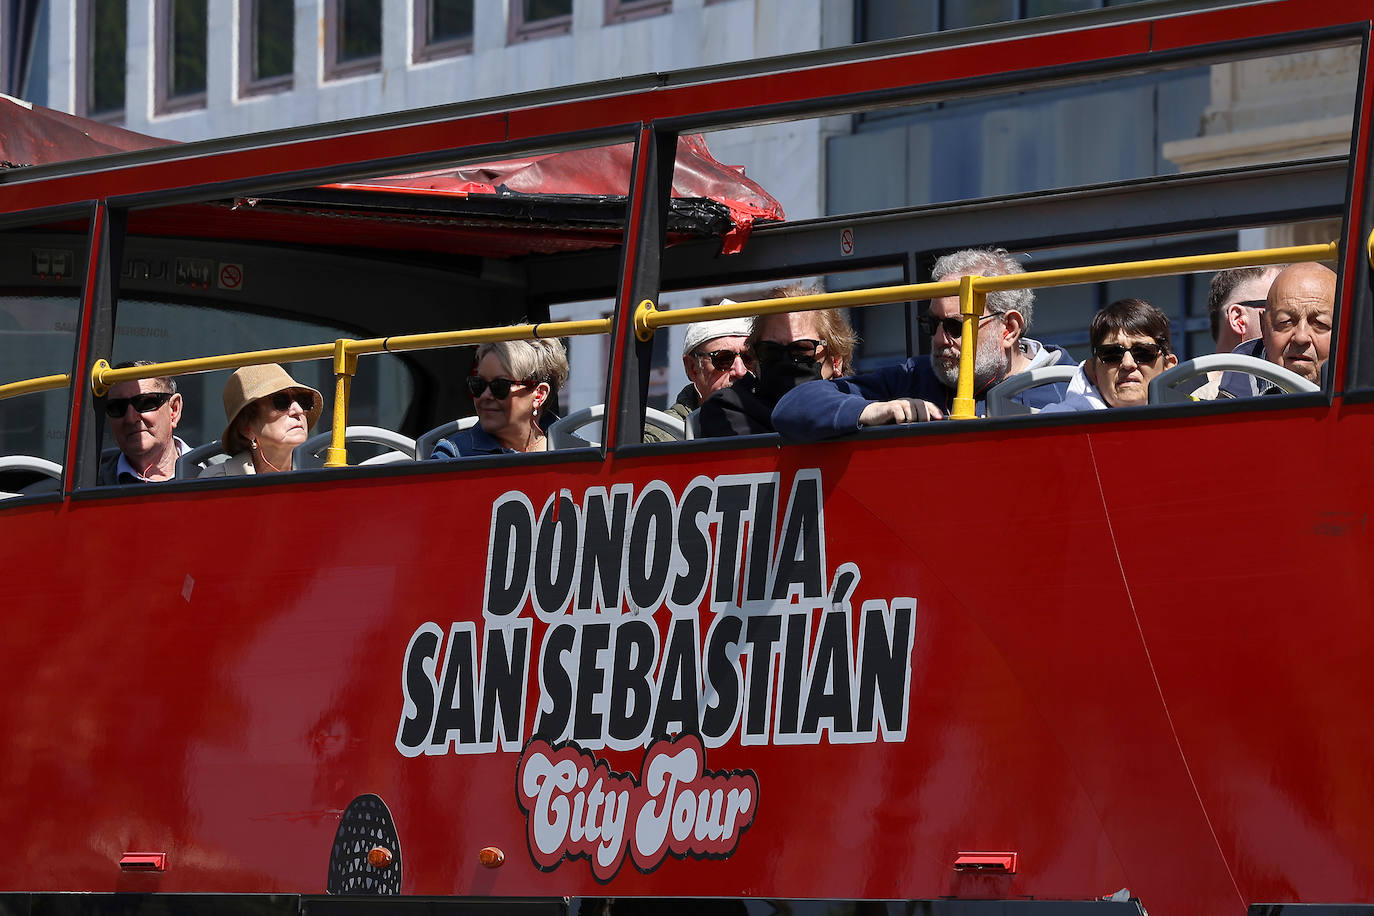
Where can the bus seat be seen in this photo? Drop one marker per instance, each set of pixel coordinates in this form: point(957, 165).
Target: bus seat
point(692, 425)
point(999, 398)
point(24, 475)
point(311, 452)
point(566, 432)
point(1170, 385)
point(197, 459)
point(424, 446)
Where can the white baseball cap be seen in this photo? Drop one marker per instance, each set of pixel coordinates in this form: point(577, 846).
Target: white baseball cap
point(702, 331)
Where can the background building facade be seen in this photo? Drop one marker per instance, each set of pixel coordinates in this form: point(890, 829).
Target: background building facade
point(193, 69)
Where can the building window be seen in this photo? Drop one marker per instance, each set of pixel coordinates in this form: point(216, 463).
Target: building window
point(530, 19)
point(442, 28)
point(879, 19)
point(625, 10)
point(181, 49)
point(267, 45)
point(103, 43)
point(353, 38)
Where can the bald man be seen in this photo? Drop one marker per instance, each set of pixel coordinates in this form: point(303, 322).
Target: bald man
point(1296, 322)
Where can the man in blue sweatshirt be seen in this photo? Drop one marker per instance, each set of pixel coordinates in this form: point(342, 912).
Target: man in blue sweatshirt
point(923, 387)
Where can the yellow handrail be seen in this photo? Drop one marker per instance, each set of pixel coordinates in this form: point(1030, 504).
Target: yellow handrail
point(648, 318)
point(344, 352)
point(29, 386)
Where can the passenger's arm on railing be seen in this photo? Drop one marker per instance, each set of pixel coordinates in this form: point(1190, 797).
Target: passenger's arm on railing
point(828, 408)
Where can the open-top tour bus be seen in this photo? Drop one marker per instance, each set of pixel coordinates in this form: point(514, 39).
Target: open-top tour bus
point(1098, 661)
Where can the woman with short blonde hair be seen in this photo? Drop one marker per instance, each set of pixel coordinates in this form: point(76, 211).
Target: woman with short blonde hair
point(510, 385)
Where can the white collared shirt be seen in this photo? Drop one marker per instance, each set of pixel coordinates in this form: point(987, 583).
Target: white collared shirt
point(123, 466)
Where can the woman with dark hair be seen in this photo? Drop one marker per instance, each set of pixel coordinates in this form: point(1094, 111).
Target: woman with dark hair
point(1130, 341)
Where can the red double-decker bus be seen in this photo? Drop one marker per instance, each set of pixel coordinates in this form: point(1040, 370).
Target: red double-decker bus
point(1052, 663)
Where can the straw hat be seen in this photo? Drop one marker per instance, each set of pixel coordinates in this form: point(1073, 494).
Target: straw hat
point(248, 384)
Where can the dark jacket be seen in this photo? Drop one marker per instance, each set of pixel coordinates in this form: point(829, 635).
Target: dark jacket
point(831, 407)
point(687, 401)
point(1242, 384)
point(737, 410)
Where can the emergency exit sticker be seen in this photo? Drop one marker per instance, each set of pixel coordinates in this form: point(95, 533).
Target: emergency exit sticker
point(231, 276)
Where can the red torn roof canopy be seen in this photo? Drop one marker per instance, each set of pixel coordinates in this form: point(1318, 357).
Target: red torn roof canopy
point(563, 201)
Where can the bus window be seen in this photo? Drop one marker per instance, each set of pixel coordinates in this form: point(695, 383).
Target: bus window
point(477, 245)
point(41, 271)
point(148, 329)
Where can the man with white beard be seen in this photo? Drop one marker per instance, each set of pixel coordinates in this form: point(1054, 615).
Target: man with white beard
point(923, 388)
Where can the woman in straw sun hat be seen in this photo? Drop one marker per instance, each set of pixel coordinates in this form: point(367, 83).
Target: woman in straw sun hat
point(269, 413)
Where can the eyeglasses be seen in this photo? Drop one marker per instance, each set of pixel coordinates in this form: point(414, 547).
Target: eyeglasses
point(500, 387)
point(798, 351)
point(1253, 303)
point(1143, 354)
point(954, 327)
point(724, 360)
point(282, 400)
point(143, 403)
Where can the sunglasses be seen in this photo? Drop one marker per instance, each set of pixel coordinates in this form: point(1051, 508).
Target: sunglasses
point(798, 351)
point(1143, 354)
point(954, 327)
point(1253, 303)
point(282, 400)
point(143, 403)
point(724, 360)
point(500, 387)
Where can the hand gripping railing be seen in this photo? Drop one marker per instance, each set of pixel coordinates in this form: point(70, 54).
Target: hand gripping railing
point(972, 293)
point(345, 353)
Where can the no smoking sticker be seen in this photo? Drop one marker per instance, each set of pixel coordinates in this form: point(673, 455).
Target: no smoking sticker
point(230, 276)
point(846, 241)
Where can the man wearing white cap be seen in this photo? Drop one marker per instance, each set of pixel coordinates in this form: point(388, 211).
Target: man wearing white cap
point(715, 354)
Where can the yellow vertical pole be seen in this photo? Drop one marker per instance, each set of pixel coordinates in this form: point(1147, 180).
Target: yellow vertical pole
point(345, 367)
point(970, 309)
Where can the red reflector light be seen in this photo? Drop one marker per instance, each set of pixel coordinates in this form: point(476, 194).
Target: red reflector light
point(491, 857)
point(379, 857)
point(143, 861)
point(996, 863)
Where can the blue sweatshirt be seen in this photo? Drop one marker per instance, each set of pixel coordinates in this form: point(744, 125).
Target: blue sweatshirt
point(830, 407)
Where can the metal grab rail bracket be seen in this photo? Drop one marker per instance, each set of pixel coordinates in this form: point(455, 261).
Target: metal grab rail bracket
point(971, 302)
point(345, 367)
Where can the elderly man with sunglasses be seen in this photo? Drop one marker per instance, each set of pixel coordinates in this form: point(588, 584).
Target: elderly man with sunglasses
point(714, 355)
point(1131, 345)
point(142, 417)
point(923, 388)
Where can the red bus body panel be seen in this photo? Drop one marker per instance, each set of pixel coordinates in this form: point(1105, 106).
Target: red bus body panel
point(1138, 647)
point(216, 675)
